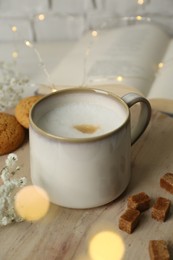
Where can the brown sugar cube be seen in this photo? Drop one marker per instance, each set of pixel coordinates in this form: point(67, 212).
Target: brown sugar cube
point(160, 209)
point(158, 250)
point(129, 220)
point(166, 182)
point(140, 201)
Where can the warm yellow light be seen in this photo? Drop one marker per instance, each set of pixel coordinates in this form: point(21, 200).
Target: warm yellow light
point(106, 245)
point(54, 89)
point(140, 2)
point(31, 203)
point(41, 17)
point(14, 28)
point(138, 17)
point(119, 78)
point(15, 54)
point(94, 33)
point(28, 43)
point(160, 65)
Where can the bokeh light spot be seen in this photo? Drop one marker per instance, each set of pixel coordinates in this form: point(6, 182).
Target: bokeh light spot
point(31, 203)
point(28, 43)
point(119, 78)
point(138, 18)
point(140, 2)
point(15, 54)
point(160, 65)
point(106, 245)
point(14, 28)
point(94, 33)
point(41, 17)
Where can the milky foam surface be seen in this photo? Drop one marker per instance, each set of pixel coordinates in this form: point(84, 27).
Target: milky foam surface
point(61, 120)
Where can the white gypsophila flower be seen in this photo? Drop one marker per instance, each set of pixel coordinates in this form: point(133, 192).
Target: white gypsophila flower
point(9, 184)
point(11, 160)
point(22, 182)
point(12, 85)
point(4, 221)
point(2, 203)
point(5, 175)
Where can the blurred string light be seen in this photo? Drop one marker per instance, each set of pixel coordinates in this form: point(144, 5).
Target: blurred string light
point(28, 44)
point(160, 65)
point(94, 35)
point(42, 64)
point(15, 54)
point(119, 78)
point(140, 2)
point(20, 80)
point(163, 65)
point(41, 17)
point(14, 28)
point(138, 18)
point(143, 2)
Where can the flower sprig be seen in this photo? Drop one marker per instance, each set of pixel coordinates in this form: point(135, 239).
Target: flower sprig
point(11, 85)
point(7, 188)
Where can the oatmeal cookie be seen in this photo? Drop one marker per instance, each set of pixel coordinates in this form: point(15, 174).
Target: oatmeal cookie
point(23, 108)
point(12, 134)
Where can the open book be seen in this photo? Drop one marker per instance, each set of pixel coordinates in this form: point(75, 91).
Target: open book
point(129, 56)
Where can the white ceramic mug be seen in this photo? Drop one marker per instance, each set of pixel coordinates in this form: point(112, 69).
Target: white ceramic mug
point(80, 145)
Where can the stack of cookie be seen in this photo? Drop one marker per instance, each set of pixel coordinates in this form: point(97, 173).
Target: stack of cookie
point(13, 127)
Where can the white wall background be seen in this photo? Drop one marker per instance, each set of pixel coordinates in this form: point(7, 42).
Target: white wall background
point(69, 19)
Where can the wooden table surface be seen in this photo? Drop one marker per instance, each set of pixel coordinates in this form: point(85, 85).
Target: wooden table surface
point(65, 234)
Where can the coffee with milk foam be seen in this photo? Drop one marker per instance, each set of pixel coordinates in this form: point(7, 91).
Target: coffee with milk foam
point(80, 120)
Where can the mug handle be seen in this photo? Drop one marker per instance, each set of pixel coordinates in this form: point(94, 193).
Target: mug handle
point(145, 114)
